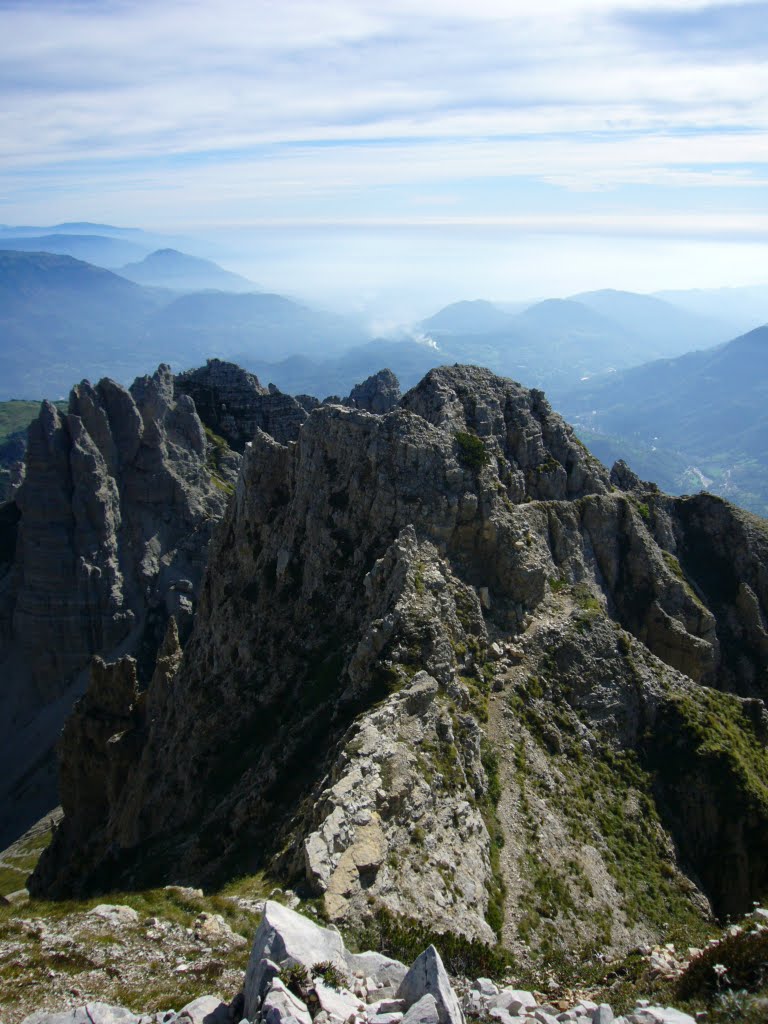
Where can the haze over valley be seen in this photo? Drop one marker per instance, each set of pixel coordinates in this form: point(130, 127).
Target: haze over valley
point(657, 380)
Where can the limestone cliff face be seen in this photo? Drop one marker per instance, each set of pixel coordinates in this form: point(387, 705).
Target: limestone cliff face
point(115, 515)
point(437, 666)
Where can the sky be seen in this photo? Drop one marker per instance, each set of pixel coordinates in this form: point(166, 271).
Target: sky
point(490, 148)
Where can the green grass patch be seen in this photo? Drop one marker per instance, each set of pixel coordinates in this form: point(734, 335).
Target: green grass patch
point(217, 451)
point(608, 791)
point(17, 415)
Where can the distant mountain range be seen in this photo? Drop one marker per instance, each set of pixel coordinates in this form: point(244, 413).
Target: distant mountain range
point(656, 380)
point(553, 343)
point(97, 249)
point(80, 227)
point(62, 319)
point(746, 306)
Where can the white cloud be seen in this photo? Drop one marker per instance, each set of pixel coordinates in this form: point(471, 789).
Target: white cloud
point(301, 109)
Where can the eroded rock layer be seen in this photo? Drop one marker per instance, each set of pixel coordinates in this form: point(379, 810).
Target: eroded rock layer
point(116, 511)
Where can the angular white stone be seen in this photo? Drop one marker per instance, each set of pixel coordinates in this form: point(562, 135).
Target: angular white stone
point(423, 1011)
point(116, 914)
point(91, 1013)
point(669, 1015)
point(383, 969)
point(204, 1010)
point(339, 1004)
point(485, 987)
point(500, 1014)
point(285, 935)
point(214, 928)
point(603, 1014)
point(387, 1006)
point(514, 1000)
point(280, 1004)
point(543, 1017)
point(427, 976)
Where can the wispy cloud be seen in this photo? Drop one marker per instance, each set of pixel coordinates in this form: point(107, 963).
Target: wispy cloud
point(358, 109)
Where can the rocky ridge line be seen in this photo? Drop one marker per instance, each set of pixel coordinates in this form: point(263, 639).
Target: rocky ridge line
point(413, 625)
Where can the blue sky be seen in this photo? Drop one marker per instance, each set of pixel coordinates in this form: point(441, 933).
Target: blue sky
point(583, 130)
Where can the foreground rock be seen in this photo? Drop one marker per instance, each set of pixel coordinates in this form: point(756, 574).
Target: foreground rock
point(428, 977)
point(286, 937)
point(204, 1010)
point(302, 972)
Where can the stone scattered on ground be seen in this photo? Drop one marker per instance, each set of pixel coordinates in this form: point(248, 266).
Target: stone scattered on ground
point(302, 973)
point(425, 994)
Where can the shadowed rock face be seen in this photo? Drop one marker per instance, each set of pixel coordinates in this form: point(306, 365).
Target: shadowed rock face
point(234, 405)
point(380, 393)
point(116, 512)
point(394, 604)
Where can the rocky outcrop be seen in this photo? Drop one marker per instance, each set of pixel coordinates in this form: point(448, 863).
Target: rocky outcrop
point(379, 393)
point(234, 404)
point(430, 642)
point(303, 972)
point(116, 512)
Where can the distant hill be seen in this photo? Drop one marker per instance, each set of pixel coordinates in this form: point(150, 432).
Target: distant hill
point(62, 319)
point(15, 417)
point(169, 268)
point(701, 418)
point(552, 344)
point(254, 325)
point(102, 250)
point(468, 317)
point(339, 374)
point(555, 342)
point(81, 227)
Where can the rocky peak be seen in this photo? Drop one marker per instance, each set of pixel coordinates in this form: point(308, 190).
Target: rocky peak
point(379, 393)
point(537, 453)
point(115, 507)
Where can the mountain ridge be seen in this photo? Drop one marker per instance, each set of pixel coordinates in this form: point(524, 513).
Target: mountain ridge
point(391, 597)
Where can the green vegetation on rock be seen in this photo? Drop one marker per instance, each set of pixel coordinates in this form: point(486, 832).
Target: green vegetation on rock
point(471, 450)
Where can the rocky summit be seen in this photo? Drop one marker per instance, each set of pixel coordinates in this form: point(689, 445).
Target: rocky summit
point(444, 668)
